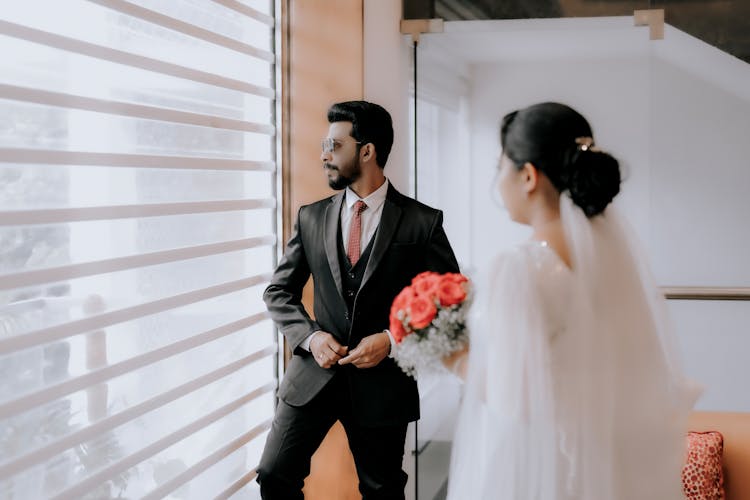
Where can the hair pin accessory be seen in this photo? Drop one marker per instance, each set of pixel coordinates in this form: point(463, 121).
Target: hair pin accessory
point(586, 144)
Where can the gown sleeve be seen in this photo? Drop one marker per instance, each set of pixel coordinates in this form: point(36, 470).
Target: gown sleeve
point(506, 433)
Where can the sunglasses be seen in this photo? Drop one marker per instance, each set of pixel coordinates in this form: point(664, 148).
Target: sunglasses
point(329, 144)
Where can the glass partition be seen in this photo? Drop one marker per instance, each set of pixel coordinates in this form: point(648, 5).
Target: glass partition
point(675, 111)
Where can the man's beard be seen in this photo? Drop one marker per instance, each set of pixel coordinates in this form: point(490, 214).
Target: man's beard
point(342, 181)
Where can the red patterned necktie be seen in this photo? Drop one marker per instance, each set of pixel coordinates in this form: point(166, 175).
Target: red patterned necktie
point(355, 233)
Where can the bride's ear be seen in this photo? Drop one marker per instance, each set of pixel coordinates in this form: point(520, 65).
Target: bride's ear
point(530, 177)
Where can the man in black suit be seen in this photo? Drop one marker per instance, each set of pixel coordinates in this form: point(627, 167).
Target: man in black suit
point(362, 247)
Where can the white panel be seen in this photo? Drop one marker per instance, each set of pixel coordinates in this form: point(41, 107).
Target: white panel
point(229, 17)
point(715, 340)
point(121, 108)
point(109, 28)
point(49, 127)
point(73, 47)
point(151, 185)
point(50, 69)
point(701, 179)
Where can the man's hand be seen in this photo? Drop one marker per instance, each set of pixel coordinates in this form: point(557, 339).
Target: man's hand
point(326, 349)
point(370, 352)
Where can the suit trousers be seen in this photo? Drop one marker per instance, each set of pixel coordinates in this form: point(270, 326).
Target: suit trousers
point(297, 432)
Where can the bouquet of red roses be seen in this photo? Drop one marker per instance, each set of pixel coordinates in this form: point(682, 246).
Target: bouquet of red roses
point(428, 320)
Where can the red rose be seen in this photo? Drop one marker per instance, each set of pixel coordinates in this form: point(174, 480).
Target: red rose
point(422, 311)
point(423, 274)
point(457, 277)
point(450, 292)
point(426, 284)
point(401, 302)
point(397, 329)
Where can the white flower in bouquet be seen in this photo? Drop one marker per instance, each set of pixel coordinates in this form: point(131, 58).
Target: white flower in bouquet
point(428, 321)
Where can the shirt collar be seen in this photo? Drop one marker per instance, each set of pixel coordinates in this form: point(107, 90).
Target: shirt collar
point(373, 201)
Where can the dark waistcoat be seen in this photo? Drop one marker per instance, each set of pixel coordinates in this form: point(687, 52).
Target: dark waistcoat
point(351, 277)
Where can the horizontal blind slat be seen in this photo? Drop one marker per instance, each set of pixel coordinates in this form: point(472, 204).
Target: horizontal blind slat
point(121, 108)
point(58, 332)
point(129, 59)
point(75, 214)
point(248, 11)
point(207, 462)
point(55, 274)
point(238, 485)
point(48, 451)
point(184, 28)
point(87, 484)
point(34, 399)
point(86, 158)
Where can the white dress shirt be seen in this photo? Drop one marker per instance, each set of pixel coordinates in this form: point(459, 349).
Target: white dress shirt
point(370, 217)
point(370, 222)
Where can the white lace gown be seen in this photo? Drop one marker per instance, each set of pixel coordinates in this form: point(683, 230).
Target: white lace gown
point(574, 389)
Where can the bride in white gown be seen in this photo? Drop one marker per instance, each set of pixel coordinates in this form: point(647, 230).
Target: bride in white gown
point(573, 387)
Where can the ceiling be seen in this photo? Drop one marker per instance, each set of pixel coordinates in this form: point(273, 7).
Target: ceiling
point(724, 24)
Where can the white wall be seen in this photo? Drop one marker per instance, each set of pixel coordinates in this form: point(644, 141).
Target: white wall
point(700, 176)
point(619, 116)
point(700, 169)
point(715, 339)
point(386, 80)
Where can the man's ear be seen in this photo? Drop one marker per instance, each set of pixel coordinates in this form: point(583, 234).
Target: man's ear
point(367, 152)
point(530, 177)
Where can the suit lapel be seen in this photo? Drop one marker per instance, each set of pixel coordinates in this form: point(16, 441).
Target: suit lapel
point(332, 217)
point(386, 229)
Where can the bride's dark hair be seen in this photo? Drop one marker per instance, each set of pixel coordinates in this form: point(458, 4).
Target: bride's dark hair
point(557, 140)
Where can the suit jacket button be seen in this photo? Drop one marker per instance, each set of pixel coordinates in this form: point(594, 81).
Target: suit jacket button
point(346, 315)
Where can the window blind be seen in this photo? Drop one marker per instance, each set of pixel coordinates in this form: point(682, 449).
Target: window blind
point(138, 228)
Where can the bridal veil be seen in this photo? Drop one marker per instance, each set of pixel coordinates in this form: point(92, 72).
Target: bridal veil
point(574, 388)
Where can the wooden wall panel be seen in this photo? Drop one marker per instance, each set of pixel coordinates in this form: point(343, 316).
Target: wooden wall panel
point(325, 66)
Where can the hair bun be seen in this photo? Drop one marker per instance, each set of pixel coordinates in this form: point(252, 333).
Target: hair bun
point(593, 179)
point(559, 142)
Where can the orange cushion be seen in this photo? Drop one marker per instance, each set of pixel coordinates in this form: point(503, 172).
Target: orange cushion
point(702, 476)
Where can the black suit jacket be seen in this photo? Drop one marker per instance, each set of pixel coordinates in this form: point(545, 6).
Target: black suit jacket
point(410, 239)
